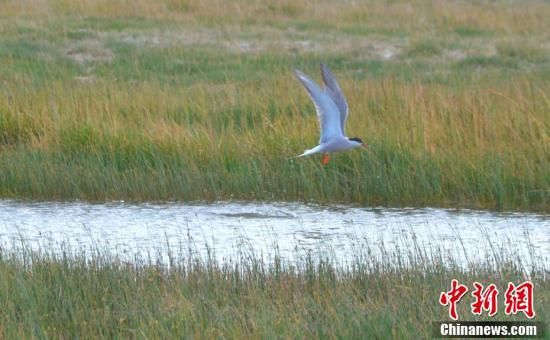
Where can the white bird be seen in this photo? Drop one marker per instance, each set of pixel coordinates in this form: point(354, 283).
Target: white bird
point(332, 112)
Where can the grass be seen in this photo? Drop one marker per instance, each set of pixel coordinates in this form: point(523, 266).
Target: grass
point(185, 100)
point(176, 100)
point(67, 294)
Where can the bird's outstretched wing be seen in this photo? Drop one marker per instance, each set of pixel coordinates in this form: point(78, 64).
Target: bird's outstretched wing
point(335, 93)
point(327, 111)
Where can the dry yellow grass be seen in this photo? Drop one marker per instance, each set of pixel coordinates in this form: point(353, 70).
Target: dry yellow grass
point(110, 99)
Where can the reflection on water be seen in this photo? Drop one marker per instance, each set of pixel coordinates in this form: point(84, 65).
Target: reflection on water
point(138, 229)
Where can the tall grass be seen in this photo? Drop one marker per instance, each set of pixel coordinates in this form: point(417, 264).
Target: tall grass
point(177, 100)
point(55, 294)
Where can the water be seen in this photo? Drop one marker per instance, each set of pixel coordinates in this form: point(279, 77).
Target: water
point(227, 229)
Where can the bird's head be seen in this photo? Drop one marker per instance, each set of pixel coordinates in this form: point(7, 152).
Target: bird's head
point(359, 142)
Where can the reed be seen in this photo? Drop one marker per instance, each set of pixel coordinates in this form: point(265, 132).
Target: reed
point(177, 100)
point(62, 293)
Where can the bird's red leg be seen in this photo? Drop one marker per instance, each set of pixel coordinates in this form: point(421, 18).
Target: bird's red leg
point(325, 159)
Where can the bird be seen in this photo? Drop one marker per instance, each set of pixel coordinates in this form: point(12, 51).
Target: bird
point(332, 112)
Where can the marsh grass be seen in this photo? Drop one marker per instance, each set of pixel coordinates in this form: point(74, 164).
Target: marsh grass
point(177, 100)
point(66, 293)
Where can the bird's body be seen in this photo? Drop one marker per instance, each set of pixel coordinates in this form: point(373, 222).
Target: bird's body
point(332, 111)
point(332, 145)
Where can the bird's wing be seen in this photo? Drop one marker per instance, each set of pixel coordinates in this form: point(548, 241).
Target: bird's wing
point(327, 111)
point(335, 93)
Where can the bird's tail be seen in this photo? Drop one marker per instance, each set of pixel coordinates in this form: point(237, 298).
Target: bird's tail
point(308, 152)
point(298, 156)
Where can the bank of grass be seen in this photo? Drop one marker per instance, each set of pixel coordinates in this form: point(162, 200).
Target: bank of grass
point(68, 294)
point(178, 100)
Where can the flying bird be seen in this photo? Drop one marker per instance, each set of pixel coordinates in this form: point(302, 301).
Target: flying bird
point(332, 112)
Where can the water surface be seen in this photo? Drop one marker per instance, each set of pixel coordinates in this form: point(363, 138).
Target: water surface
point(226, 229)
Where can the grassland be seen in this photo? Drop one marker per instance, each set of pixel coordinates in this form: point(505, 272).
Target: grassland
point(181, 100)
point(99, 295)
point(195, 100)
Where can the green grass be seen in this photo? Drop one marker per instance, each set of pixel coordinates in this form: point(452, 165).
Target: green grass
point(186, 100)
point(97, 294)
point(182, 101)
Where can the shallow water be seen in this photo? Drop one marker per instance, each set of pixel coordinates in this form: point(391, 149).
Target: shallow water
point(229, 229)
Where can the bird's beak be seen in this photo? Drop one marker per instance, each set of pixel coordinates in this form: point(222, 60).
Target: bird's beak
point(365, 146)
